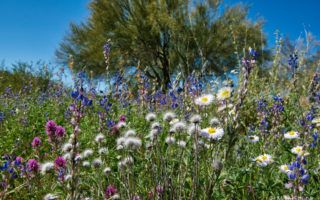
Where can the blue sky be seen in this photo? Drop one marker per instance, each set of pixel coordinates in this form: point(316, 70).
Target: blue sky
point(32, 29)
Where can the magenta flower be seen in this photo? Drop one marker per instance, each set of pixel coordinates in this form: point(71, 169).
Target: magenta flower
point(110, 191)
point(51, 127)
point(33, 165)
point(36, 142)
point(60, 131)
point(60, 162)
point(122, 118)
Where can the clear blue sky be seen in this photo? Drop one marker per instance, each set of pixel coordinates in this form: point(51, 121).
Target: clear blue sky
point(32, 29)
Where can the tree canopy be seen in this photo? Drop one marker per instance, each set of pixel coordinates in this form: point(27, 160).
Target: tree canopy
point(162, 37)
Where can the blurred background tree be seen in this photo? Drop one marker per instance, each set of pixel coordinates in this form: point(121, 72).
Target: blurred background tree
point(162, 37)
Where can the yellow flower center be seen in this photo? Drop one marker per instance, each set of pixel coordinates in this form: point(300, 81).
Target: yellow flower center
point(264, 157)
point(205, 99)
point(212, 130)
point(292, 133)
point(285, 168)
point(298, 149)
point(225, 93)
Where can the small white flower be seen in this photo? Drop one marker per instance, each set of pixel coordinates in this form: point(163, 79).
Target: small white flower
point(107, 170)
point(298, 150)
point(170, 140)
point(99, 138)
point(78, 157)
point(169, 116)
point(46, 167)
point(68, 177)
point(103, 151)
point(97, 162)
point(130, 133)
point(119, 147)
point(115, 196)
point(174, 121)
point(284, 169)
point(291, 135)
point(151, 117)
point(224, 93)
point(263, 160)
point(204, 100)
point(132, 143)
point(121, 140)
point(67, 147)
point(87, 153)
point(192, 129)
point(195, 119)
point(212, 133)
point(50, 197)
point(86, 163)
point(181, 144)
point(253, 138)
point(67, 156)
point(155, 125)
point(121, 124)
point(179, 126)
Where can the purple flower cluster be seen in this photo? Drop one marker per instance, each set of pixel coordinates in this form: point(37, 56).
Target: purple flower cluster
point(54, 131)
point(33, 165)
point(111, 190)
point(60, 162)
point(36, 142)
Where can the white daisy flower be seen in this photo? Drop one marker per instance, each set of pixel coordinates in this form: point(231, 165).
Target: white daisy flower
point(151, 117)
point(224, 93)
point(263, 160)
point(253, 138)
point(169, 116)
point(46, 167)
point(212, 133)
point(298, 150)
point(99, 138)
point(204, 100)
point(284, 169)
point(291, 135)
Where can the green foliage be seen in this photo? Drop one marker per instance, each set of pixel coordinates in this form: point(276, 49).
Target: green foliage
point(162, 37)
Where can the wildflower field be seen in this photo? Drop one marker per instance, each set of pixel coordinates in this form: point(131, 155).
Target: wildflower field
point(252, 138)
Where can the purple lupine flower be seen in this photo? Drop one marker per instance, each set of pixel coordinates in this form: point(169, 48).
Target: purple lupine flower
point(60, 132)
point(60, 162)
point(18, 160)
point(33, 165)
point(51, 128)
point(110, 191)
point(36, 142)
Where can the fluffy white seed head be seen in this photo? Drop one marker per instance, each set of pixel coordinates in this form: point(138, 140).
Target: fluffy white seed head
point(97, 162)
point(179, 126)
point(86, 163)
point(196, 119)
point(99, 138)
point(132, 143)
point(151, 117)
point(103, 151)
point(107, 170)
point(170, 140)
point(46, 167)
point(130, 133)
point(67, 147)
point(50, 197)
point(168, 116)
point(181, 144)
point(87, 153)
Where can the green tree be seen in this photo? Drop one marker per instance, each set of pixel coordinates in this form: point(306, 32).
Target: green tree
point(162, 37)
